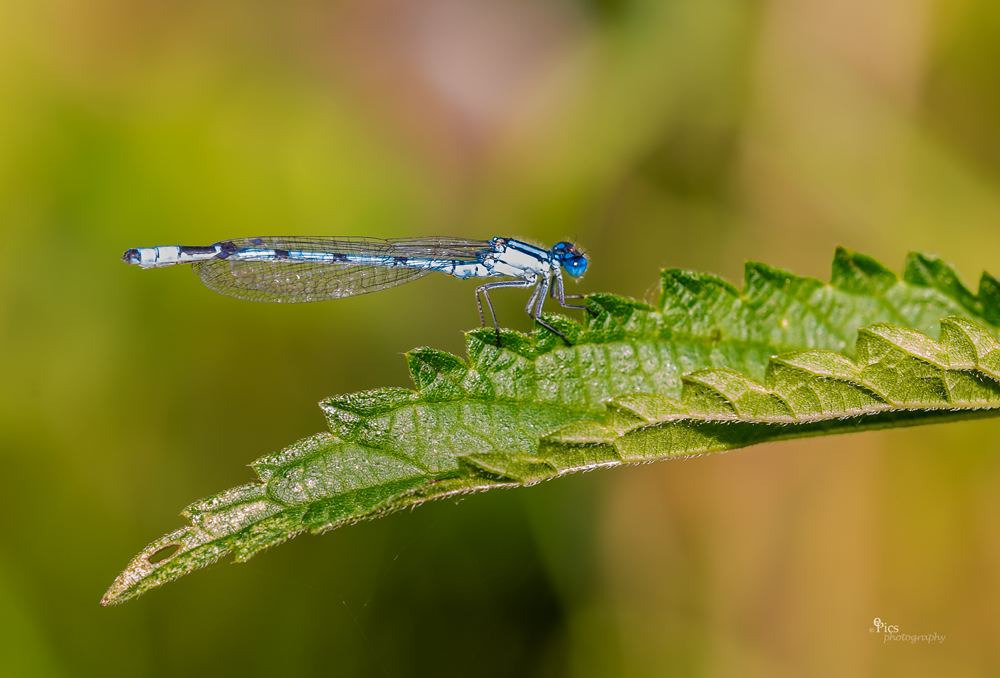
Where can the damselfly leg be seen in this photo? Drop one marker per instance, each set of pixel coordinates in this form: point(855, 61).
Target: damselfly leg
point(559, 292)
point(485, 291)
point(537, 301)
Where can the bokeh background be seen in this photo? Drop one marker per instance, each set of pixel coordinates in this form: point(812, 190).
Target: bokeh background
point(689, 133)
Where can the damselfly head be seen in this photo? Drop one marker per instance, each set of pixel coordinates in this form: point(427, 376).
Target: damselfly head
point(572, 259)
point(131, 256)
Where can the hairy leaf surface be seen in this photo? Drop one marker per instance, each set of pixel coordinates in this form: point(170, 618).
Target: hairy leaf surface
point(707, 369)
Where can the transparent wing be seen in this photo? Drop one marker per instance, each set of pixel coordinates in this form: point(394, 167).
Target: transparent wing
point(435, 247)
point(289, 281)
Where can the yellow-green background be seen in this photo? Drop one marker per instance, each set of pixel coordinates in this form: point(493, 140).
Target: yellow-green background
point(687, 133)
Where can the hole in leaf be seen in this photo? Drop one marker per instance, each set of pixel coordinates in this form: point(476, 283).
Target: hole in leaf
point(164, 553)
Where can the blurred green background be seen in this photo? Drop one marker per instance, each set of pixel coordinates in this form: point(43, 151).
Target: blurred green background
point(688, 133)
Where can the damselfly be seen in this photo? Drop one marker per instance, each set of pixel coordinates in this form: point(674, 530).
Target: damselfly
point(292, 269)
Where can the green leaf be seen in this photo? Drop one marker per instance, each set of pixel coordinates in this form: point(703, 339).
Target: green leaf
point(707, 369)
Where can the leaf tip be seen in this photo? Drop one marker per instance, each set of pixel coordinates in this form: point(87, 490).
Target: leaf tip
point(860, 273)
point(436, 370)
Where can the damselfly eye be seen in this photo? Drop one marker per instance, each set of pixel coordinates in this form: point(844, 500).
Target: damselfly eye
point(575, 266)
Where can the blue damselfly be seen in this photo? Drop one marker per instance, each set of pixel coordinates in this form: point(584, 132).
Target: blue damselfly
point(292, 269)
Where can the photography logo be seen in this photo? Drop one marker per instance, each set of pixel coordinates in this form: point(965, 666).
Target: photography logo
point(890, 633)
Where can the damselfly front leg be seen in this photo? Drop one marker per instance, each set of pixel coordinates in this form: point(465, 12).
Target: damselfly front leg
point(534, 308)
point(559, 292)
